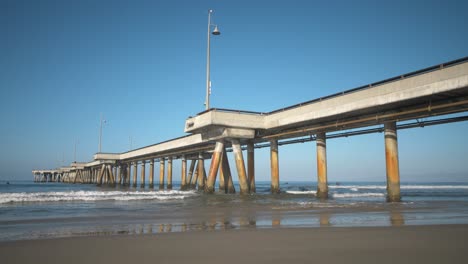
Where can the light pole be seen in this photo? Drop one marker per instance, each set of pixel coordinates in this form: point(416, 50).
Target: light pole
point(208, 83)
point(100, 132)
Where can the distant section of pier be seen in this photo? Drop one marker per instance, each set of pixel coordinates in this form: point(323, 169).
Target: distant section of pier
point(385, 106)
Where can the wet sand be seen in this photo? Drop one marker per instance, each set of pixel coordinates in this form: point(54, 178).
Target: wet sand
point(406, 244)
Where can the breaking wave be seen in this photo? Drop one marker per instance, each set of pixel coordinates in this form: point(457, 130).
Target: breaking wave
point(356, 195)
point(93, 196)
point(408, 187)
point(301, 192)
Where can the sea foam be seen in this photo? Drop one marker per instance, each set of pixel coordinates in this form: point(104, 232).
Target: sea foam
point(93, 196)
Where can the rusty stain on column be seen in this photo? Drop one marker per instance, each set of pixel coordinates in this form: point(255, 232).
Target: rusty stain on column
point(274, 165)
point(201, 171)
point(151, 173)
point(142, 175)
point(322, 185)
point(135, 173)
point(241, 173)
point(183, 174)
point(169, 173)
point(391, 159)
point(251, 166)
point(162, 163)
point(214, 167)
point(227, 174)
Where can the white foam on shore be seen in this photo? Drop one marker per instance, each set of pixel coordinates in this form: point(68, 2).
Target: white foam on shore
point(356, 195)
point(301, 192)
point(93, 196)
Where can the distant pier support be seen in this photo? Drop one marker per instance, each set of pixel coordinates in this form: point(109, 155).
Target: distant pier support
point(135, 173)
point(214, 167)
point(322, 185)
point(391, 159)
point(162, 164)
point(274, 164)
point(169, 173)
point(151, 174)
point(142, 176)
point(183, 174)
point(243, 181)
point(251, 166)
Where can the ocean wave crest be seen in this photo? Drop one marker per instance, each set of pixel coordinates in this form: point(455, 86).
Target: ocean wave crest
point(301, 192)
point(356, 195)
point(93, 196)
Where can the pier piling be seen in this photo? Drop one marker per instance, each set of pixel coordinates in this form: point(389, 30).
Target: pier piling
point(274, 165)
point(391, 160)
point(183, 174)
point(142, 175)
point(169, 173)
point(214, 167)
point(251, 166)
point(201, 172)
point(322, 185)
point(151, 174)
point(241, 173)
point(135, 173)
point(162, 164)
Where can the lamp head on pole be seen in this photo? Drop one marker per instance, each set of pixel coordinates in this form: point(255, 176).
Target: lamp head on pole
point(216, 31)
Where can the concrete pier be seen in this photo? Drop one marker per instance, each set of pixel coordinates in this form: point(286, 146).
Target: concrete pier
point(274, 165)
point(251, 166)
point(215, 161)
point(151, 174)
point(142, 175)
point(391, 160)
point(241, 173)
point(169, 173)
point(322, 185)
point(162, 164)
point(415, 99)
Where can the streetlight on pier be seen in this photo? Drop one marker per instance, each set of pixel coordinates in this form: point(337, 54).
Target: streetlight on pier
point(208, 82)
point(100, 132)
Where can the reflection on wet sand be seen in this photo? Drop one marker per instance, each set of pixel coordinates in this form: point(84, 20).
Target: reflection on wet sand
point(396, 218)
point(220, 222)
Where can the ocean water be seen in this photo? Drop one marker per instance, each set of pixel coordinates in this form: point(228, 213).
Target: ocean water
point(49, 210)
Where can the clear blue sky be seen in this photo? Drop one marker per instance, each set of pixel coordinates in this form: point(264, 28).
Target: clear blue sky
point(142, 64)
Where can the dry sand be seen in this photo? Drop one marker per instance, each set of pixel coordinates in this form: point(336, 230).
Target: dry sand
point(407, 244)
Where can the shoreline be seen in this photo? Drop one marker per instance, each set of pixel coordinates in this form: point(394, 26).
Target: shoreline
point(404, 244)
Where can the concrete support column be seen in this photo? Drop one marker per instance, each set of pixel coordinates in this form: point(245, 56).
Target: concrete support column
point(227, 174)
point(391, 159)
point(322, 185)
point(129, 173)
point(214, 167)
point(251, 166)
point(241, 173)
point(183, 174)
point(169, 173)
point(274, 165)
point(151, 173)
point(222, 185)
point(135, 173)
point(162, 163)
point(201, 172)
point(193, 182)
point(142, 176)
point(190, 173)
point(116, 174)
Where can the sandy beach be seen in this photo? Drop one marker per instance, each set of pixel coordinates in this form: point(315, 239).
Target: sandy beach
point(407, 244)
